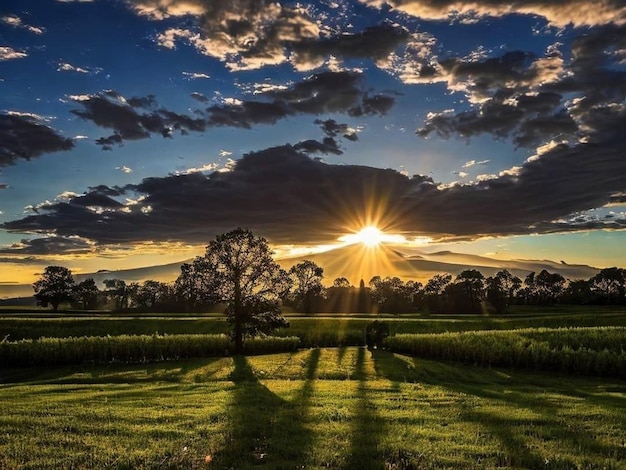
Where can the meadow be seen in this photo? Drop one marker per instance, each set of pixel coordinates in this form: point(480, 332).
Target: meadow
point(341, 407)
point(315, 408)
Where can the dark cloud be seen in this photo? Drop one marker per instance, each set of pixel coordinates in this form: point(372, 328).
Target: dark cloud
point(143, 101)
point(111, 110)
point(48, 246)
point(332, 128)
point(374, 42)
point(536, 100)
point(247, 113)
point(285, 195)
point(530, 120)
point(327, 92)
point(199, 97)
point(24, 137)
point(328, 145)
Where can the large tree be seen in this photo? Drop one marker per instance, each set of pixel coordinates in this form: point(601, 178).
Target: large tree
point(307, 284)
point(248, 280)
point(54, 287)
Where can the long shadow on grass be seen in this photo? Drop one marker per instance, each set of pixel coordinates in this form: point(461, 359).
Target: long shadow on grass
point(368, 426)
point(508, 430)
point(264, 429)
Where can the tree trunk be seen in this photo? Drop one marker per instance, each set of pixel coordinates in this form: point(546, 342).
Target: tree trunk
point(238, 314)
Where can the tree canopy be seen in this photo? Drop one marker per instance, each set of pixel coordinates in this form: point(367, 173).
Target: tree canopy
point(54, 287)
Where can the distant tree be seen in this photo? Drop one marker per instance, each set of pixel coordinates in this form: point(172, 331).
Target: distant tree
point(54, 287)
point(151, 293)
point(578, 292)
point(501, 290)
point(433, 292)
point(118, 292)
point(414, 293)
point(249, 281)
point(306, 278)
point(548, 287)
point(87, 294)
point(342, 282)
point(391, 294)
point(609, 285)
point(196, 286)
point(466, 293)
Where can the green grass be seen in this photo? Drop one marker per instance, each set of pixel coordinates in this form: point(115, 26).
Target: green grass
point(345, 408)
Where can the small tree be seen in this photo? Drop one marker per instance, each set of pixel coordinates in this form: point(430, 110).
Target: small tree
point(248, 280)
point(55, 286)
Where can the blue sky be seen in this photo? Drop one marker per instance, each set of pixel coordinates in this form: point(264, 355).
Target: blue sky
point(496, 130)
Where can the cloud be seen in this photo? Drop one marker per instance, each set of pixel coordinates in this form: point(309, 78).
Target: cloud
point(199, 97)
point(327, 92)
point(245, 34)
point(374, 42)
point(16, 22)
point(67, 67)
point(534, 100)
point(124, 169)
point(23, 136)
point(7, 53)
point(140, 117)
point(195, 75)
point(290, 198)
point(49, 246)
point(111, 110)
point(332, 128)
point(558, 13)
point(327, 145)
point(472, 163)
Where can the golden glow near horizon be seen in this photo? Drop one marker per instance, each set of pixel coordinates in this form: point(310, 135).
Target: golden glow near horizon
point(371, 237)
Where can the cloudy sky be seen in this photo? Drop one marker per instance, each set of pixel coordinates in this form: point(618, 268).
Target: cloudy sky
point(134, 131)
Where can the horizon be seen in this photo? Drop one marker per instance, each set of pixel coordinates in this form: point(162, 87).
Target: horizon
point(493, 131)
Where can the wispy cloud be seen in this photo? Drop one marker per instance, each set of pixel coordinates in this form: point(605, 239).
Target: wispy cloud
point(8, 53)
point(16, 22)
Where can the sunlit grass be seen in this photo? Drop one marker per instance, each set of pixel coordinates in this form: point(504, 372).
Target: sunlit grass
point(318, 408)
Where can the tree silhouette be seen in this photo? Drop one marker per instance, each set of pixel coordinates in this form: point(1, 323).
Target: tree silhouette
point(307, 282)
point(55, 286)
point(609, 285)
point(117, 290)
point(342, 282)
point(247, 279)
point(501, 290)
point(87, 293)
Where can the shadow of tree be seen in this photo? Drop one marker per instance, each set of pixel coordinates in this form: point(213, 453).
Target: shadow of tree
point(264, 429)
point(368, 426)
point(517, 450)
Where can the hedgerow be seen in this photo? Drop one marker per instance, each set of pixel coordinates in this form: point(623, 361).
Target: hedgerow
point(582, 351)
point(130, 348)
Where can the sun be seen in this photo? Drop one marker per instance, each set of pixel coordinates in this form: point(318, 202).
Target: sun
point(369, 236)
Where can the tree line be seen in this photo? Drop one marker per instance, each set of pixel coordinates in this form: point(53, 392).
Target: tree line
point(238, 271)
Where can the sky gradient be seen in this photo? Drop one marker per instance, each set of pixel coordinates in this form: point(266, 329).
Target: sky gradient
point(134, 131)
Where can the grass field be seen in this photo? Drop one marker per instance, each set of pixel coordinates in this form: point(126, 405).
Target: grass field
point(343, 408)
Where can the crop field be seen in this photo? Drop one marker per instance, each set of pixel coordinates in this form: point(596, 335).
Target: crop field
point(341, 408)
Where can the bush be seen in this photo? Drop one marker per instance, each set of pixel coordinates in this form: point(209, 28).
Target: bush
point(375, 333)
